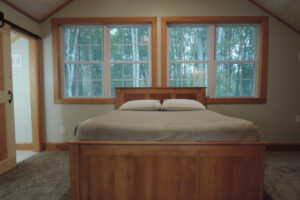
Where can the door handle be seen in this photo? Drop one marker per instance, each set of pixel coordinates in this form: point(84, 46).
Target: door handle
point(10, 93)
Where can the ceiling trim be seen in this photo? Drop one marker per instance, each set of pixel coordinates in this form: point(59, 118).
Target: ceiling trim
point(33, 18)
point(275, 16)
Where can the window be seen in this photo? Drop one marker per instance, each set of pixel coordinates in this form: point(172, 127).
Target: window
point(226, 55)
point(93, 58)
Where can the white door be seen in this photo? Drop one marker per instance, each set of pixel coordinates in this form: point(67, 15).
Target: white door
point(7, 134)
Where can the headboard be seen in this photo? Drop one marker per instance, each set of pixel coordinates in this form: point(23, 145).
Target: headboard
point(124, 94)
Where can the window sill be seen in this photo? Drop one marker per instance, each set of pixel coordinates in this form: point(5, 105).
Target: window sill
point(236, 100)
point(84, 101)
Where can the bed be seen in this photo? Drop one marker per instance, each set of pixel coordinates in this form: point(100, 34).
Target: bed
point(137, 167)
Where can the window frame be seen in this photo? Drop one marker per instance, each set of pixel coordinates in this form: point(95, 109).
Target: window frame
point(57, 56)
point(262, 21)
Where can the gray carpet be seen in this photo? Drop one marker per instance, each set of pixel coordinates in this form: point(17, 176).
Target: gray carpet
point(46, 176)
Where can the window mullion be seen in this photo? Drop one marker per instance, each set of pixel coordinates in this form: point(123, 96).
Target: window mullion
point(106, 63)
point(211, 69)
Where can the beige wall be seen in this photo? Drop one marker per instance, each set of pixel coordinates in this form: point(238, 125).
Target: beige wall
point(276, 119)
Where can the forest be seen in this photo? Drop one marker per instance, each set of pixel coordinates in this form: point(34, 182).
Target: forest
point(129, 59)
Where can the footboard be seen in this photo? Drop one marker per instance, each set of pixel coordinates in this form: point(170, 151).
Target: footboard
point(167, 170)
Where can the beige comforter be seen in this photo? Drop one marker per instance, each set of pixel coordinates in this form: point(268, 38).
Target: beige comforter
point(201, 125)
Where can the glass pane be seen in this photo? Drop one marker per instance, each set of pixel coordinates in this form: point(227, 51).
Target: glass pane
point(142, 83)
point(143, 35)
point(188, 69)
point(222, 70)
point(84, 37)
point(248, 35)
point(175, 52)
point(83, 72)
point(128, 35)
point(200, 71)
point(201, 52)
point(96, 53)
point(175, 34)
point(70, 72)
point(175, 71)
point(187, 83)
point(96, 35)
point(235, 88)
point(96, 88)
point(113, 85)
point(70, 35)
point(128, 71)
point(70, 53)
point(222, 88)
point(96, 71)
point(236, 33)
point(83, 88)
point(248, 88)
point(248, 52)
point(128, 53)
point(189, 52)
point(83, 53)
point(222, 35)
point(143, 53)
point(129, 83)
point(70, 88)
point(116, 53)
point(201, 35)
point(235, 71)
point(235, 52)
point(248, 71)
point(116, 35)
point(188, 35)
point(175, 83)
point(142, 71)
point(222, 52)
point(116, 71)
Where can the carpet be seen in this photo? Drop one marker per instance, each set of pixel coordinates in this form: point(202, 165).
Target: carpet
point(43, 176)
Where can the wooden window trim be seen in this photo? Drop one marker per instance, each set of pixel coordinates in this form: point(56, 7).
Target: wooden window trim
point(57, 22)
point(263, 22)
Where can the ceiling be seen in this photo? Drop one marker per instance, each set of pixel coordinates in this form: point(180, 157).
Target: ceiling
point(38, 10)
point(286, 11)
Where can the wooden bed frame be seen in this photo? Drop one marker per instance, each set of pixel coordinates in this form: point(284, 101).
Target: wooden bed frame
point(136, 170)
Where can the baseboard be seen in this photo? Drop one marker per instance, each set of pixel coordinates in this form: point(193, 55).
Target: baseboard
point(283, 146)
point(60, 146)
point(7, 164)
point(24, 146)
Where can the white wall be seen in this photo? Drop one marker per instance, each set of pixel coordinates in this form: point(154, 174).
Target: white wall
point(21, 88)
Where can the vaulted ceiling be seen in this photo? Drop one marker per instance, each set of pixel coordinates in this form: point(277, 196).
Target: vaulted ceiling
point(286, 11)
point(38, 10)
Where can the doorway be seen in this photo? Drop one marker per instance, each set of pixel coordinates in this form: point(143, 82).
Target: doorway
point(26, 89)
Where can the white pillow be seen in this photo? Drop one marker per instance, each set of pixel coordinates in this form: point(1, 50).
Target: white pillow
point(182, 105)
point(141, 105)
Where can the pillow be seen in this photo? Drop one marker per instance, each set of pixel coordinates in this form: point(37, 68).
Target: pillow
point(182, 105)
point(141, 105)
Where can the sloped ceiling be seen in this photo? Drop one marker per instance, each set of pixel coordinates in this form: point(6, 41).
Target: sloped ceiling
point(38, 10)
point(286, 11)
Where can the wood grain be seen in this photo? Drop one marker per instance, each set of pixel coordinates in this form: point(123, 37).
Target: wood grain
point(165, 171)
point(35, 95)
point(1, 65)
point(24, 146)
point(160, 93)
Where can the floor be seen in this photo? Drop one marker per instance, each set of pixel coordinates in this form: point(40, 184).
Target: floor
point(46, 176)
point(24, 154)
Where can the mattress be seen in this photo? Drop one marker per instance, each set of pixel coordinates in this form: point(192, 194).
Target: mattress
point(201, 125)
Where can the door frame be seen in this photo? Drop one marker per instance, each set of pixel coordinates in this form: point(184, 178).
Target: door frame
point(35, 92)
